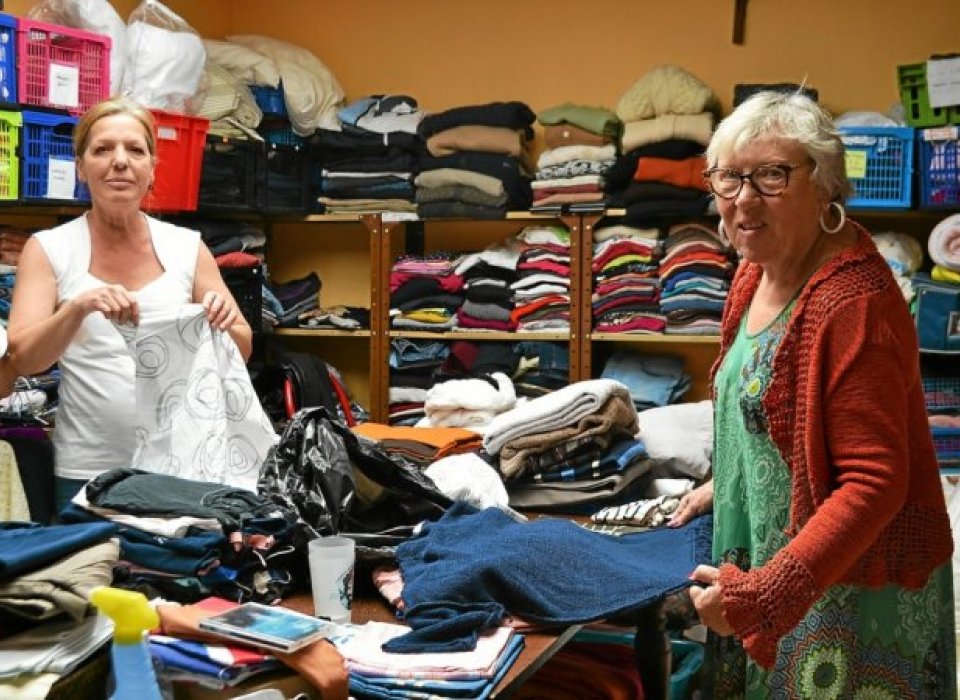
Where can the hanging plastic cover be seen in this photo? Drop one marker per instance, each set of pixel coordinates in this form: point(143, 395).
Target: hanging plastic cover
point(165, 60)
point(97, 16)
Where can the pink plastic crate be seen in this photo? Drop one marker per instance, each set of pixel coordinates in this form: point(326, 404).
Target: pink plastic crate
point(61, 67)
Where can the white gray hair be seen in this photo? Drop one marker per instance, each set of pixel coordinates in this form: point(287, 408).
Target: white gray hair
point(791, 116)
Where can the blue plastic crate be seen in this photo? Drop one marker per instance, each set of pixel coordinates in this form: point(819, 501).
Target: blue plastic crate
point(47, 157)
point(8, 58)
point(879, 164)
point(282, 136)
point(270, 100)
point(939, 169)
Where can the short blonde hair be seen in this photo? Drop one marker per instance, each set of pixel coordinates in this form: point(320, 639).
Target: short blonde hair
point(108, 108)
point(791, 116)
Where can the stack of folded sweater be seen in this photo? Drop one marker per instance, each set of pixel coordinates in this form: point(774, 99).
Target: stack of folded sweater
point(668, 119)
point(478, 162)
point(425, 291)
point(288, 300)
point(382, 181)
point(626, 281)
point(413, 364)
point(547, 446)
point(542, 294)
point(581, 146)
point(487, 276)
point(695, 274)
point(366, 171)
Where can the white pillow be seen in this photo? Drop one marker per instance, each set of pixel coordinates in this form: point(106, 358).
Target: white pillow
point(681, 435)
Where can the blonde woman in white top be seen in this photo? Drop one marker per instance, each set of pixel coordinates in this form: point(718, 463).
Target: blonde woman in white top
point(75, 281)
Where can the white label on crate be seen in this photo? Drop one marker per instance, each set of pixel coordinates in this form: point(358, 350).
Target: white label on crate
point(63, 87)
point(61, 178)
point(856, 162)
point(943, 81)
point(941, 133)
point(167, 133)
point(953, 325)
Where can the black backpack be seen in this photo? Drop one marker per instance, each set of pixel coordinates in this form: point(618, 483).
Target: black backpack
point(298, 380)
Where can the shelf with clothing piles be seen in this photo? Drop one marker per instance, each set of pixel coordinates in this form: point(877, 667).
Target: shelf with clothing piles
point(629, 268)
point(454, 283)
point(329, 264)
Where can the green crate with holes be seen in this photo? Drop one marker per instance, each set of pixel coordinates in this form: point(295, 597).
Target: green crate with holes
point(10, 123)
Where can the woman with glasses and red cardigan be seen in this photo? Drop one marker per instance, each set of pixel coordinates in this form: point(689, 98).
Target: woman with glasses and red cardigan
point(831, 535)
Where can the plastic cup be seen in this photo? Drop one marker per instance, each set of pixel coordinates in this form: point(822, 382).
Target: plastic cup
point(331, 577)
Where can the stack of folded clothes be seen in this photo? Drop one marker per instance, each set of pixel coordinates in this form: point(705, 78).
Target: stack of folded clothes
point(371, 178)
point(542, 294)
point(425, 291)
point(569, 448)
point(487, 277)
point(288, 300)
point(668, 119)
point(412, 368)
point(479, 161)
point(581, 145)
point(695, 274)
point(626, 281)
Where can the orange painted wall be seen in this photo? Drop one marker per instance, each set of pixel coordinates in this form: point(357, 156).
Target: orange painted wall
point(544, 52)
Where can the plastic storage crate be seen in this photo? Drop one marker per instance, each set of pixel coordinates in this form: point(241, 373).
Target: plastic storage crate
point(941, 394)
point(8, 58)
point(231, 176)
point(246, 285)
point(61, 67)
point(879, 164)
point(288, 184)
point(48, 170)
point(939, 167)
point(270, 100)
point(176, 181)
point(10, 123)
point(946, 441)
point(916, 99)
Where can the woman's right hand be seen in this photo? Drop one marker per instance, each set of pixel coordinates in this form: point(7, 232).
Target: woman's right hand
point(693, 503)
point(114, 301)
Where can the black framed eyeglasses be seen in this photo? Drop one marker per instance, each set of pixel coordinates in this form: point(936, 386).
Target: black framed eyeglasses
point(768, 180)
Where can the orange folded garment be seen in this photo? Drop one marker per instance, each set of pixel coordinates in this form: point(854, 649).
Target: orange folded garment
point(687, 172)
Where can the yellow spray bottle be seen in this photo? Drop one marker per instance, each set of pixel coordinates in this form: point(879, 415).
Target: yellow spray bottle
point(132, 617)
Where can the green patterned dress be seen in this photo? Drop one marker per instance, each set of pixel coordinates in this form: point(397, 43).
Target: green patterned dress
point(858, 643)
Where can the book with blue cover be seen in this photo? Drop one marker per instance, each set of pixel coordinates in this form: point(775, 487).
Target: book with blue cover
point(270, 627)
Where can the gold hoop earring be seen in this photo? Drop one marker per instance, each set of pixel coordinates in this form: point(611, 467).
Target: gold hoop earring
point(841, 215)
point(722, 233)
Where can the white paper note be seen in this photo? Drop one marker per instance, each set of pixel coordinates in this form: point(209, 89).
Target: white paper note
point(61, 178)
point(943, 81)
point(63, 87)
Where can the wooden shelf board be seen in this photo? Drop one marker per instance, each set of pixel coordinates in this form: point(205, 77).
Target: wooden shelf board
point(479, 335)
point(322, 332)
point(655, 338)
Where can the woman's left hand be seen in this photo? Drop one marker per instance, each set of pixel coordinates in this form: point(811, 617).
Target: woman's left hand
point(222, 312)
point(708, 599)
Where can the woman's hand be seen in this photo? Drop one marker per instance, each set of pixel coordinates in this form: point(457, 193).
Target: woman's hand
point(221, 310)
point(114, 301)
point(693, 503)
point(708, 599)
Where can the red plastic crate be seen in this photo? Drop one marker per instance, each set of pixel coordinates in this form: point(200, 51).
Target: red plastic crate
point(61, 67)
point(176, 182)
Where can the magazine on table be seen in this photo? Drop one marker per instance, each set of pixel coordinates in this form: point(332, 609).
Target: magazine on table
point(270, 627)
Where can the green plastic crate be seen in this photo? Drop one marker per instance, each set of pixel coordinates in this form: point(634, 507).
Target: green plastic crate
point(916, 100)
point(10, 123)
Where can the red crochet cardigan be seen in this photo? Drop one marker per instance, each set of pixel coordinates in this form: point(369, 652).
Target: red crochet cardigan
point(845, 408)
